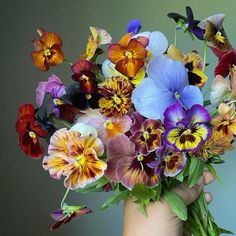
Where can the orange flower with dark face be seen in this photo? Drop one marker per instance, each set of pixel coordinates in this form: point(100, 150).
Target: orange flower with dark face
point(128, 54)
point(47, 50)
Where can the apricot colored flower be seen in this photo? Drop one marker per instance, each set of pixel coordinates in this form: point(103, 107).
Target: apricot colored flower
point(29, 132)
point(47, 50)
point(116, 100)
point(128, 54)
point(74, 153)
point(225, 122)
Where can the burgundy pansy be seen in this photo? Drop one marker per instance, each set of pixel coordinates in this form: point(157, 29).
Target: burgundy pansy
point(29, 132)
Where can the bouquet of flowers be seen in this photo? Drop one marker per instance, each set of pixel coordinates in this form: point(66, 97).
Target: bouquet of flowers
point(134, 120)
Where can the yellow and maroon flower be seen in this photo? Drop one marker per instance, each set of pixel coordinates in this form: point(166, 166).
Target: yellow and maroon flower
point(216, 145)
point(74, 153)
point(127, 166)
point(128, 54)
point(146, 134)
point(116, 100)
point(225, 122)
point(47, 50)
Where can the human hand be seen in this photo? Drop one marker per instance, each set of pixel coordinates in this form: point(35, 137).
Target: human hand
point(161, 221)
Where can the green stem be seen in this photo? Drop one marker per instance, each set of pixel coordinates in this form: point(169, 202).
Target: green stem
point(175, 37)
point(204, 55)
point(64, 197)
point(67, 61)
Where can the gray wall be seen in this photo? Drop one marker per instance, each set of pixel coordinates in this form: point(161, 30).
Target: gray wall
point(28, 194)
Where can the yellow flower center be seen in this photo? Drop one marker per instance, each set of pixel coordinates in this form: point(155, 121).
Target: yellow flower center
point(225, 123)
point(80, 160)
point(177, 96)
point(109, 125)
point(57, 102)
point(129, 55)
point(140, 157)
point(88, 96)
point(84, 77)
point(186, 132)
point(219, 37)
point(116, 99)
point(47, 52)
point(145, 135)
point(32, 135)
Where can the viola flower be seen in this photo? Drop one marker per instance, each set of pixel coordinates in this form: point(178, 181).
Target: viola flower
point(134, 26)
point(29, 132)
point(108, 71)
point(116, 97)
point(128, 55)
point(214, 146)
point(168, 162)
point(47, 50)
point(127, 166)
point(188, 23)
point(167, 83)
point(157, 42)
point(185, 129)
point(221, 91)
point(68, 213)
point(107, 127)
point(99, 37)
point(225, 122)
point(146, 133)
point(193, 64)
point(214, 31)
point(82, 73)
point(74, 153)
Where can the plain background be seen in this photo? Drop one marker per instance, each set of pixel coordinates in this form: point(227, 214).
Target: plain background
point(27, 192)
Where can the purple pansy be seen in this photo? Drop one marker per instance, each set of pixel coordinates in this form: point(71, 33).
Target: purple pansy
point(134, 26)
point(167, 83)
point(186, 129)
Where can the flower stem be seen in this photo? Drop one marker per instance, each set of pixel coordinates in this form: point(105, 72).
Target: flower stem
point(67, 61)
point(64, 197)
point(204, 55)
point(175, 37)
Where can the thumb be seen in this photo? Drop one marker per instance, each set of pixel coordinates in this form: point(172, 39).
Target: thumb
point(187, 194)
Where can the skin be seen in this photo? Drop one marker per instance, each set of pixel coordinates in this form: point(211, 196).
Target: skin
point(161, 220)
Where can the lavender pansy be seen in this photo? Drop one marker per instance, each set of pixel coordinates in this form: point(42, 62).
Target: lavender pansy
point(167, 83)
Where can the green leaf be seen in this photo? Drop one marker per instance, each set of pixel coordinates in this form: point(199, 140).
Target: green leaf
point(89, 188)
point(176, 204)
point(195, 170)
point(213, 171)
point(114, 199)
point(225, 231)
point(101, 182)
point(139, 191)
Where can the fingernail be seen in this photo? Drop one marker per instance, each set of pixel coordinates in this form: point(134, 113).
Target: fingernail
point(200, 182)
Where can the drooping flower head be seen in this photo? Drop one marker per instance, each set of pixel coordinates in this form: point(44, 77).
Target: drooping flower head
point(134, 26)
point(47, 50)
point(74, 153)
point(214, 31)
point(29, 132)
point(116, 96)
point(128, 55)
point(167, 83)
point(193, 64)
point(146, 133)
point(99, 37)
point(188, 23)
point(67, 213)
point(225, 122)
point(82, 73)
point(107, 127)
point(186, 129)
point(127, 166)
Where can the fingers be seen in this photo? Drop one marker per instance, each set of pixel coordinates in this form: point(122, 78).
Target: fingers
point(189, 195)
point(208, 197)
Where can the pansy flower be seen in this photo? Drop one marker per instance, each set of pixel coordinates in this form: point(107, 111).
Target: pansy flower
point(134, 26)
point(193, 64)
point(146, 133)
point(186, 129)
point(47, 50)
point(67, 213)
point(127, 166)
point(116, 96)
point(169, 162)
point(99, 37)
point(82, 73)
point(214, 31)
point(225, 122)
point(187, 23)
point(216, 145)
point(29, 132)
point(107, 127)
point(167, 83)
point(128, 54)
point(74, 153)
